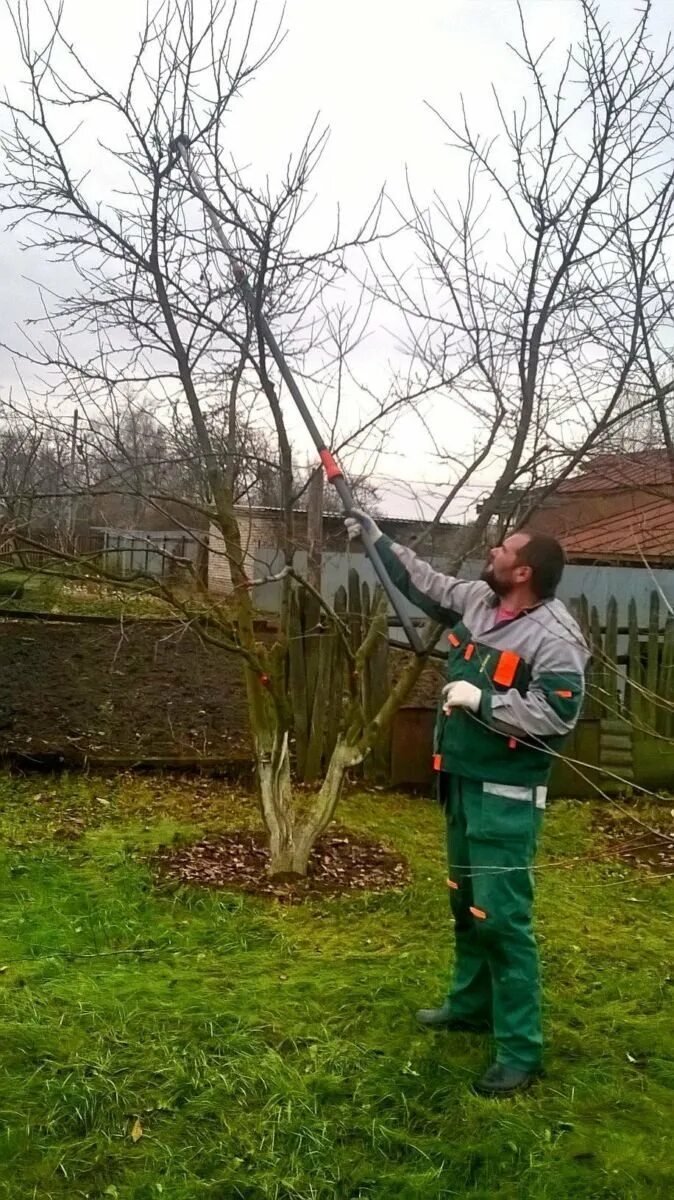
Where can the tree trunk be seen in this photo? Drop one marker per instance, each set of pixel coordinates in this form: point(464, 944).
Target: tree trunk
point(287, 859)
point(291, 839)
point(315, 530)
point(344, 756)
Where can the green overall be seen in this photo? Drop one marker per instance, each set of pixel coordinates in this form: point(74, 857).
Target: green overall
point(491, 844)
point(493, 766)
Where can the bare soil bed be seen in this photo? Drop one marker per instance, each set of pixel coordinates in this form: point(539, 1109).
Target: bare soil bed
point(144, 691)
point(126, 694)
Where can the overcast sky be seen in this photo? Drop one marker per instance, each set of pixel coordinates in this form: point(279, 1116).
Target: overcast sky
point(368, 67)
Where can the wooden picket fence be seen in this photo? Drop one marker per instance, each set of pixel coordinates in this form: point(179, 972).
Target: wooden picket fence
point(625, 736)
point(631, 674)
point(630, 693)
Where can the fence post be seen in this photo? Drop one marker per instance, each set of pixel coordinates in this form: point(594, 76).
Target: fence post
point(298, 682)
point(321, 705)
point(633, 690)
point(595, 678)
point(338, 679)
point(611, 652)
point(354, 614)
point(652, 662)
point(377, 686)
point(665, 717)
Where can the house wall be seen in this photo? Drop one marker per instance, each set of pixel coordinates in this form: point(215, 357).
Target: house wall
point(256, 533)
point(261, 535)
point(598, 583)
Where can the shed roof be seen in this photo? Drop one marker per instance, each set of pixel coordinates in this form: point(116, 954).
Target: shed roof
point(611, 472)
point(647, 532)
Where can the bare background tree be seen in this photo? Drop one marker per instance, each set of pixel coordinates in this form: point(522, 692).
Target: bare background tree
point(543, 294)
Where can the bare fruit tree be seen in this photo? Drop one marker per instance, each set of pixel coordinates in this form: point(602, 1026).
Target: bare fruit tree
point(147, 334)
point(538, 314)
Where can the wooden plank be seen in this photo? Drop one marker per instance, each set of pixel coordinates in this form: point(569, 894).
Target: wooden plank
point(310, 613)
point(378, 762)
point(354, 616)
point(633, 694)
point(315, 529)
point(616, 756)
point(596, 680)
point(611, 654)
point(335, 714)
point(298, 683)
point(367, 605)
point(583, 614)
point(653, 661)
point(321, 697)
point(665, 713)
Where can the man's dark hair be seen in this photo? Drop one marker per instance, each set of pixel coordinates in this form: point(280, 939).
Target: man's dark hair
point(546, 558)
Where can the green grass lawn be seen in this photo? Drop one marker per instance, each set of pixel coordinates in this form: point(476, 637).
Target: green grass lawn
point(48, 592)
point(41, 592)
point(258, 1050)
point(12, 584)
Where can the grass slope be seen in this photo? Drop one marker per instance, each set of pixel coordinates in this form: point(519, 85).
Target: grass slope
point(264, 1051)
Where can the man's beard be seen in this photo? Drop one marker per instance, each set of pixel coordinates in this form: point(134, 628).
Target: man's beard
point(497, 586)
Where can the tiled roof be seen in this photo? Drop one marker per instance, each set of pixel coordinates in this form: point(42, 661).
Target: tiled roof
point(645, 532)
point(608, 472)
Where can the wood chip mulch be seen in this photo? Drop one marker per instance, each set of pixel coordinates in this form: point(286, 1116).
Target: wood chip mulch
point(341, 861)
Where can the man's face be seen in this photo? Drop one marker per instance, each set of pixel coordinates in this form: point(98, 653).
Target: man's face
point(504, 571)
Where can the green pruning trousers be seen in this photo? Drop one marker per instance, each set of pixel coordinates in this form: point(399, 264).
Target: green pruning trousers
point(492, 831)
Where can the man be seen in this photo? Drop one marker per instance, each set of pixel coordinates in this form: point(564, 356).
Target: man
point(516, 662)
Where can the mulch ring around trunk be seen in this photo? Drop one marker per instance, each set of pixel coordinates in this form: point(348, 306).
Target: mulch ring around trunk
point(650, 849)
point(341, 861)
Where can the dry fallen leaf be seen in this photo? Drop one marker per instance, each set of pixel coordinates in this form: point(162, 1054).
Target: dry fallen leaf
point(136, 1130)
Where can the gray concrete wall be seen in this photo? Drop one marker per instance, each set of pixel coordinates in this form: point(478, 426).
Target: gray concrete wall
point(598, 583)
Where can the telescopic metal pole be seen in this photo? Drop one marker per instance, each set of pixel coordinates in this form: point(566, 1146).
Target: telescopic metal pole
point(332, 469)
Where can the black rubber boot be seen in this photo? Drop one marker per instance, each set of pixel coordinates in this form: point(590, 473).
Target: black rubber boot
point(500, 1081)
point(441, 1018)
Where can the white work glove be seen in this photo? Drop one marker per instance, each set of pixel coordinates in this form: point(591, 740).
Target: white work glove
point(358, 522)
point(461, 694)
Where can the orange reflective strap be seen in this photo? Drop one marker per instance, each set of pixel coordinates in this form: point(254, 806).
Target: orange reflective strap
point(479, 913)
point(470, 650)
point(453, 639)
point(506, 668)
point(437, 762)
point(452, 884)
point(564, 695)
point(512, 743)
